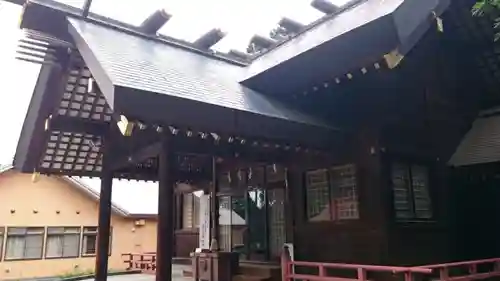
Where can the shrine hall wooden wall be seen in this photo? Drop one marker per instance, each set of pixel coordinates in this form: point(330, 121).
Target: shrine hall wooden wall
point(415, 113)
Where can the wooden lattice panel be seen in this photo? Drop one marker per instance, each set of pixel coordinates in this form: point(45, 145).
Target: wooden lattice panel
point(81, 99)
point(77, 153)
point(65, 152)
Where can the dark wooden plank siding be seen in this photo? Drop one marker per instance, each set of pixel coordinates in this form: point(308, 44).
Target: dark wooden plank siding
point(186, 241)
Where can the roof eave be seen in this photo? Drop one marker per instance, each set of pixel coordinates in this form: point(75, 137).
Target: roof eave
point(372, 30)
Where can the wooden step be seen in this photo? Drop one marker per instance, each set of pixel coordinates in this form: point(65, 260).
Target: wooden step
point(241, 277)
point(260, 270)
point(187, 273)
point(250, 272)
point(181, 261)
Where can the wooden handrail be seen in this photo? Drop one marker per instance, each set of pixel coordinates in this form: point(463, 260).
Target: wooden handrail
point(461, 263)
point(146, 262)
point(444, 270)
point(288, 266)
point(378, 268)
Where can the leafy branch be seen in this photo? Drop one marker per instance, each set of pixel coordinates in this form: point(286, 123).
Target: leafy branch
point(489, 8)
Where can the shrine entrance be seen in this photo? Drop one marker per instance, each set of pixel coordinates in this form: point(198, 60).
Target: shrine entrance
point(252, 212)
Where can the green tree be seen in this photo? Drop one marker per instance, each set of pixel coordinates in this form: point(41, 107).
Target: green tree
point(489, 8)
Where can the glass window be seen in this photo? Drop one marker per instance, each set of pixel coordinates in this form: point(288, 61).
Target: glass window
point(89, 242)
point(331, 194)
point(62, 242)
point(24, 243)
point(252, 213)
point(410, 184)
point(232, 223)
point(344, 192)
point(2, 235)
point(318, 196)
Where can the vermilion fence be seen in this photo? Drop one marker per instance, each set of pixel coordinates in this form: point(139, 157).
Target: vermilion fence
point(146, 262)
point(456, 271)
point(467, 270)
point(322, 270)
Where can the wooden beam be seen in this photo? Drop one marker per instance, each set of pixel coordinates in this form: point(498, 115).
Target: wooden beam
point(196, 145)
point(103, 228)
point(165, 235)
point(76, 125)
point(138, 156)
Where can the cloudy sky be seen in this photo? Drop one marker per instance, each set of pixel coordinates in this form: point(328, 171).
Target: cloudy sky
point(17, 80)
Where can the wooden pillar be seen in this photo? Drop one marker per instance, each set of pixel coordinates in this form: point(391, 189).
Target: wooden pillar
point(103, 228)
point(293, 180)
point(165, 234)
point(214, 202)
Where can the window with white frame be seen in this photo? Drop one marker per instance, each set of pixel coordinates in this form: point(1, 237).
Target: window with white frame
point(89, 241)
point(331, 194)
point(344, 192)
point(24, 243)
point(410, 184)
point(62, 242)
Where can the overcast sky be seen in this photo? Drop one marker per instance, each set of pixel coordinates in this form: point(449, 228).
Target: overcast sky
point(191, 18)
point(17, 80)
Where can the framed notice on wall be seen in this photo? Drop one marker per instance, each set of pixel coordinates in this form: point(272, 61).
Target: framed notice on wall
point(204, 235)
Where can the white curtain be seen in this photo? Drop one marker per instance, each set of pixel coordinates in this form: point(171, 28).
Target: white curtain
point(70, 245)
point(34, 244)
point(15, 247)
point(54, 246)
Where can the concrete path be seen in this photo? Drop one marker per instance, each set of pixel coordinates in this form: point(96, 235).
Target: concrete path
point(176, 276)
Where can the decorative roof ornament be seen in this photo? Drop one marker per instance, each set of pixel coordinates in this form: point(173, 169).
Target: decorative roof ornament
point(125, 126)
point(324, 6)
point(35, 176)
point(439, 22)
point(155, 21)
point(209, 39)
point(393, 59)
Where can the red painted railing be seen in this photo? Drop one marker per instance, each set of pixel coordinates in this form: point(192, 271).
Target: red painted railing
point(146, 262)
point(288, 270)
point(456, 271)
point(474, 270)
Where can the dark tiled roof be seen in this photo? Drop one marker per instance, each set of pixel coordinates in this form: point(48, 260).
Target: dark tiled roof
point(142, 64)
point(336, 26)
point(344, 43)
point(480, 145)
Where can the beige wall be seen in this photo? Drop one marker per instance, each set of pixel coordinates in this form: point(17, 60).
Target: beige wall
point(49, 195)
